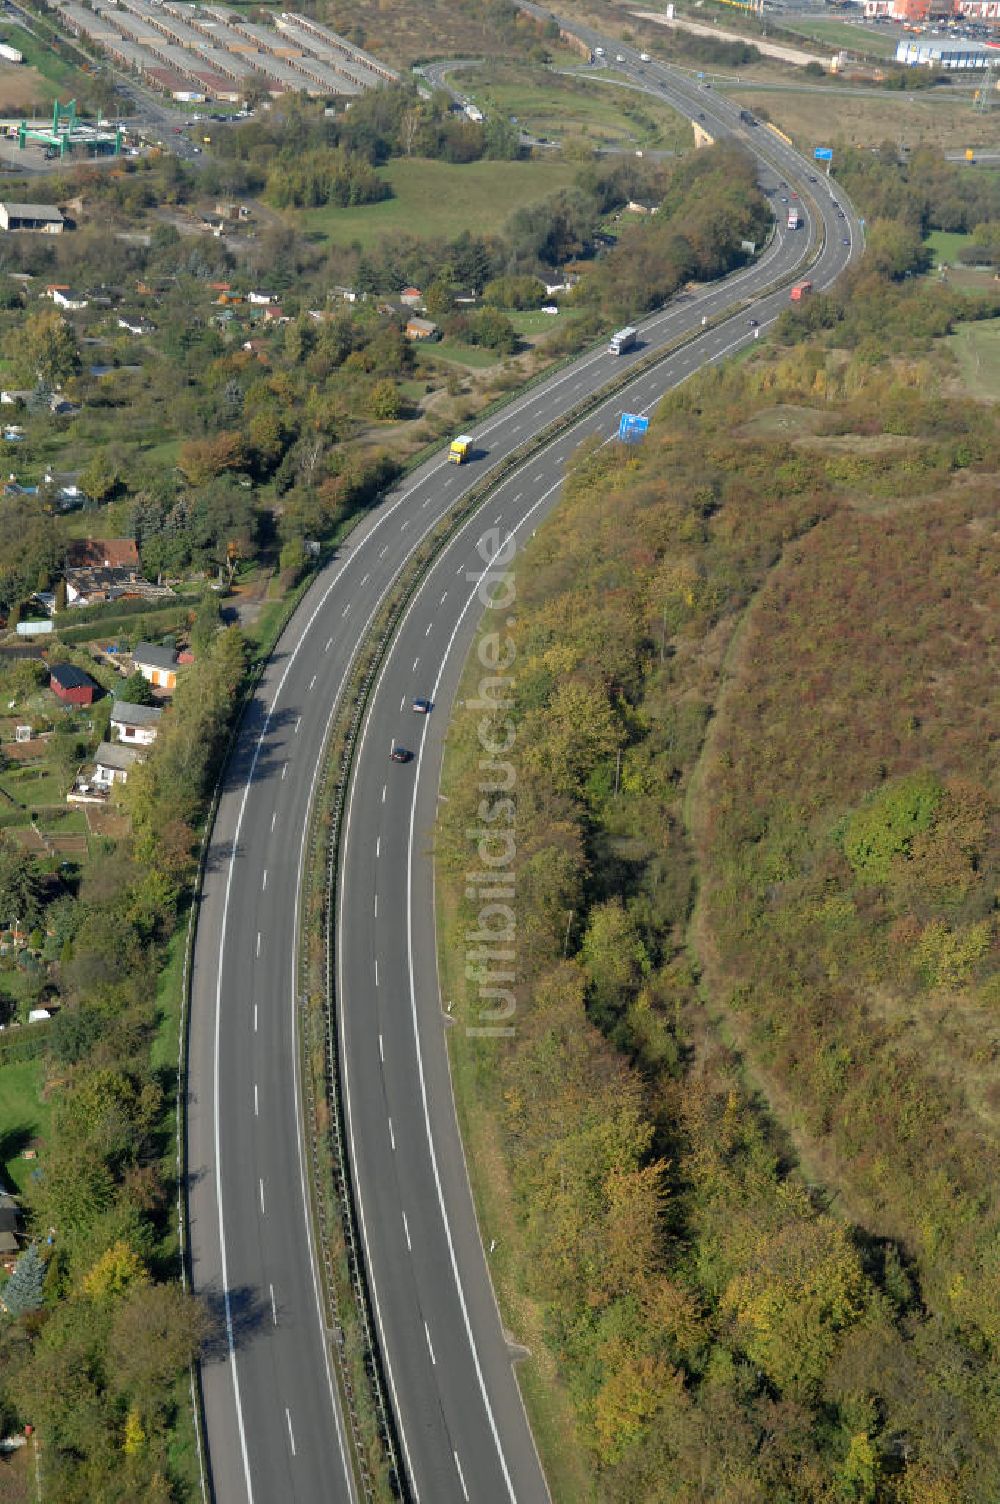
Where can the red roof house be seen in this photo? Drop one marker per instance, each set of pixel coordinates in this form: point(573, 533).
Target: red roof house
point(72, 684)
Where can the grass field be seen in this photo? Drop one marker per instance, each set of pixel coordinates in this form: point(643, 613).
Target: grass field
point(977, 348)
point(842, 34)
point(439, 200)
point(551, 105)
point(23, 1116)
point(946, 245)
point(812, 119)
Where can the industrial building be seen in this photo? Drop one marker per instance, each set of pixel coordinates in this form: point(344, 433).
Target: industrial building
point(944, 52)
point(196, 52)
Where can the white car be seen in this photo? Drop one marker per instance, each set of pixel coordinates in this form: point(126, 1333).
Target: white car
point(619, 58)
point(644, 57)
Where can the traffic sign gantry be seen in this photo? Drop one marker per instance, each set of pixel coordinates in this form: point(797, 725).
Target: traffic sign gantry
point(823, 154)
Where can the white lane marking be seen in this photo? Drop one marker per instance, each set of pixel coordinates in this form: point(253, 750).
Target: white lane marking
point(258, 942)
point(406, 1230)
point(430, 624)
point(384, 787)
point(329, 644)
point(298, 723)
point(345, 610)
point(444, 598)
point(381, 1050)
point(376, 971)
point(376, 905)
point(426, 503)
point(392, 1137)
point(430, 1347)
point(415, 662)
point(263, 886)
point(261, 1184)
point(274, 1306)
point(404, 524)
point(402, 702)
point(291, 1433)
point(378, 845)
point(461, 1477)
point(312, 682)
point(461, 569)
point(256, 1104)
point(383, 551)
point(255, 1018)
point(414, 1025)
point(284, 770)
point(366, 578)
point(273, 818)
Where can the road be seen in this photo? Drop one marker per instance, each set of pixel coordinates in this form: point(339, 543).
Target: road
point(273, 1423)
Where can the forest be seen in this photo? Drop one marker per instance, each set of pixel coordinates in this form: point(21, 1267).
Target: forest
point(742, 1139)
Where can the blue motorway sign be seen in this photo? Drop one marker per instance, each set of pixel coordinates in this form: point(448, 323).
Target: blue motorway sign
point(823, 154)
point(631, 428)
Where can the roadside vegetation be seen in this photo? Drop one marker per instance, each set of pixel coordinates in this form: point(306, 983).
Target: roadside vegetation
point(739, 1153)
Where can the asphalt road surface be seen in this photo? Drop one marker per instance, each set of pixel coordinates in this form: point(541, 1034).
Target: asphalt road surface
point(273, 1422)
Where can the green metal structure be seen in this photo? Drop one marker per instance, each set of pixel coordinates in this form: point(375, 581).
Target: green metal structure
point(68, 133)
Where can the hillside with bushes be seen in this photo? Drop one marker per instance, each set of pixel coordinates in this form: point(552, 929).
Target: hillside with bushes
point(741, 1145)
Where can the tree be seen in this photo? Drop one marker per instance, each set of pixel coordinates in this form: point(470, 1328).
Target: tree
point(101, 480)
point(137, 691)
point(22, 886)
point(384, 400)
point(156, 1333)
point(23, 1291)
point(44, 349)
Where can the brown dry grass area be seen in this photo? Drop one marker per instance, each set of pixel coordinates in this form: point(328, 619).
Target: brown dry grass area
point(403, 33)
point(24, 751)
point(107, 823)
point(22, 90)
point(847, 119)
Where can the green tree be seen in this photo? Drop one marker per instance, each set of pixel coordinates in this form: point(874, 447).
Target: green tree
point(22, 886)
point(384, 401)
point(23, 1291)
point(44, 348)
point(135, 690)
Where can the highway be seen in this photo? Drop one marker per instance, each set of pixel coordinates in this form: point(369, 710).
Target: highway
point(273, 1421)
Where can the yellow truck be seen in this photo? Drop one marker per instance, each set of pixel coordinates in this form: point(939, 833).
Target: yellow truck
point(460, 450)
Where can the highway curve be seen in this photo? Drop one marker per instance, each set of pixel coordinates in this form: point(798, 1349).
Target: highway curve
point(274, 1429)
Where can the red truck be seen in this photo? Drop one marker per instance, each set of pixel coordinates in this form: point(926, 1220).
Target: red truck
point(800, 290)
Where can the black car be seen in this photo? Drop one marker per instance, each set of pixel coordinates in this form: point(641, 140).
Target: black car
point(401, 754)
point(422, 706)
point(752, 323)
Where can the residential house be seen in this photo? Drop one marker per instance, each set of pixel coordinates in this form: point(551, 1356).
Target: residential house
point(136, 725)
point(258, 349)
point(95, 584)
point(112, 763)
point(71, 684)
point(421, 329)
point(158, 666)
point(641, 206)
point(262, 299)
point(12, 396)
point(67, 298)
point(412, 297)
point(132, 325)
point(275, 314)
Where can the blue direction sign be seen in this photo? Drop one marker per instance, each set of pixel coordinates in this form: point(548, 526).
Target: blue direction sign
point(823, 154)
point(631, 428)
